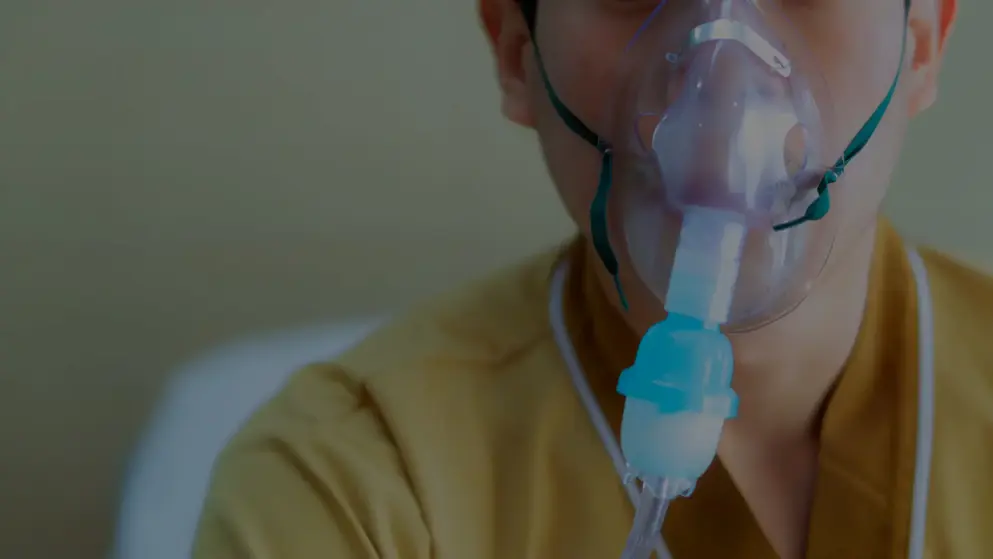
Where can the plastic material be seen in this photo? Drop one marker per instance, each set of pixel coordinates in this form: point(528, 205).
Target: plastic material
point(679, 388)
point(653, 503)
point(713, 110)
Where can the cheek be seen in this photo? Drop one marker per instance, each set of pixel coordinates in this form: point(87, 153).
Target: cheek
point(859, 71)
point(580, 77)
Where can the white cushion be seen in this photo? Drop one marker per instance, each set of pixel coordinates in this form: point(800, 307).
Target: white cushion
point(204, 404)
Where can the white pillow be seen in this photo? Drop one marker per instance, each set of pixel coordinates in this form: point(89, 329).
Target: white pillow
point(204, 404)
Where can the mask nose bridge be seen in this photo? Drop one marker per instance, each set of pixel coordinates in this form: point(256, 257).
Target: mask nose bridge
point(729, 33)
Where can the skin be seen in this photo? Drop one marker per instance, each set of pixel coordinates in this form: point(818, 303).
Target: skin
point(855, 45)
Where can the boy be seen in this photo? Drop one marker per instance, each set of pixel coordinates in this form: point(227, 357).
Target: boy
point(463, 430)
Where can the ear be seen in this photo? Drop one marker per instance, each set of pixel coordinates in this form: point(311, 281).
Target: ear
point(510, 40)
point(930, 24)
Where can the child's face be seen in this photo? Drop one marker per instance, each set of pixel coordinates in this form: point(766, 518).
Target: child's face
point(854, 46)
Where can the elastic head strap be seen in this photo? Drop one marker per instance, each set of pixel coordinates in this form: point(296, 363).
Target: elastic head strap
point(598, 208)
point(530, 10)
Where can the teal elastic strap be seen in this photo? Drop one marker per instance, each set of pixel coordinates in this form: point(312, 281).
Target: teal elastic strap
point(567, 116)
point(598, 208)
point(598, 222)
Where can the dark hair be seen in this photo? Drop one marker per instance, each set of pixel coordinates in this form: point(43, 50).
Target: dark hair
point(530, 10)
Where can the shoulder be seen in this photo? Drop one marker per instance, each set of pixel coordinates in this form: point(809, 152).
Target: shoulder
point(962, 319)
point(962, 303)
point(962, 460)
point(354, 444)
point(313, 473)
point(477, 329)
point(460, 380)
point(424, 372)
point(482, 323)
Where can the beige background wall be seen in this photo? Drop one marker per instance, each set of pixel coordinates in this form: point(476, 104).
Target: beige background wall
point(178, 174)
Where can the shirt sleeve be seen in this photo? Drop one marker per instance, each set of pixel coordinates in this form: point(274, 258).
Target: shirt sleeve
point(313, 475)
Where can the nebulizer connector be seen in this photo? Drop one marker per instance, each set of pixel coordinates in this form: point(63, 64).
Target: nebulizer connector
point(679, 388)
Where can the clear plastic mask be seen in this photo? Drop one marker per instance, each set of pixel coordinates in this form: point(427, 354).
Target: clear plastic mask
point(717, 106)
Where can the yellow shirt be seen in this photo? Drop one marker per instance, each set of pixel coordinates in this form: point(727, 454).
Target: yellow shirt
point(456, 432)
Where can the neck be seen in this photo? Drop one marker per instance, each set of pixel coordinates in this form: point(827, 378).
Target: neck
point(784, 371)
point(782, 392)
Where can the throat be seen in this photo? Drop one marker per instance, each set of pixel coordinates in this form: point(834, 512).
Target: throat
point(777, 482)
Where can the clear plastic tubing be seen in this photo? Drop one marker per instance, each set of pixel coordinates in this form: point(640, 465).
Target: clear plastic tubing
point(649, 514)
point(679, 388)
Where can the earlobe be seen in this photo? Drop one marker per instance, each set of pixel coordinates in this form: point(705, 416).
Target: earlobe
point(923, 55)
point(947, 15)
point(510, 41)
point(515, 101)
point(491, 15)
point(929, 34)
